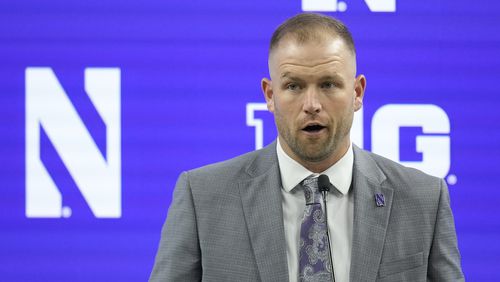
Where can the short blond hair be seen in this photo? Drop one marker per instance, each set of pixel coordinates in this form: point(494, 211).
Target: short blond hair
point(306, 27)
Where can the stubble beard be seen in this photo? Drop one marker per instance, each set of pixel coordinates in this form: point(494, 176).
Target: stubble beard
point(315, 150)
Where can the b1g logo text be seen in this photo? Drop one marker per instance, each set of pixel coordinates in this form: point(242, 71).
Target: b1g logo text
point(387, 122)
point(50, 115)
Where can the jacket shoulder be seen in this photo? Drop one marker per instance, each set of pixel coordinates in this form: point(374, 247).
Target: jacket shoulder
point(397, 170)
point(228, 168)
point(224, 176)
point(406, 181)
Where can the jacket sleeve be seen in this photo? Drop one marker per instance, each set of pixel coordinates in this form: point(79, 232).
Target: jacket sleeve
point(444, 258)
point(179, 257)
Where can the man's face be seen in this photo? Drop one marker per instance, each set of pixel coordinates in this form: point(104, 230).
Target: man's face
point(313, 93)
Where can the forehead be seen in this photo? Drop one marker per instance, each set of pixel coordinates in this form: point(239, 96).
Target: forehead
point(328, 55)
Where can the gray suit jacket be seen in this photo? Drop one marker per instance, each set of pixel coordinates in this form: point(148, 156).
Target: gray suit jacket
point(225, 223)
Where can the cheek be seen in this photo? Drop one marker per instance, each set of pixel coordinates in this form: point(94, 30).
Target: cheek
point(350, 98)
point(339, 103)
point(340, 107)
point(286, 112)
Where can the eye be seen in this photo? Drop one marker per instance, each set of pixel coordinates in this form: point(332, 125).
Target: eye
point(292, 86)
point(328, 85)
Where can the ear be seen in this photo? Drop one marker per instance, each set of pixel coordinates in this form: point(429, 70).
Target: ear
point(359, 91)
point(267, 89)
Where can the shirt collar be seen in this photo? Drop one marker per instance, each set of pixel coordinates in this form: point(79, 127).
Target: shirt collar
point(292, 173)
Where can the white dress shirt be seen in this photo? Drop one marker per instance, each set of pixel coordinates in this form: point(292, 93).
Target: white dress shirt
point(339, 205)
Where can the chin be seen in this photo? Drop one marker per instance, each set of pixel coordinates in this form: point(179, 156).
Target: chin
point(315, 154)
point(315, 158)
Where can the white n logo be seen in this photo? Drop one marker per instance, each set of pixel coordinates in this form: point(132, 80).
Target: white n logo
point(334, 5)
point(97, 177)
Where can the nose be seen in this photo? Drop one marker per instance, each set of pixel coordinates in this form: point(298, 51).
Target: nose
point(312, 104)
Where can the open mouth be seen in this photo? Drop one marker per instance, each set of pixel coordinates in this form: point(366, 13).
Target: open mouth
point(313, 128)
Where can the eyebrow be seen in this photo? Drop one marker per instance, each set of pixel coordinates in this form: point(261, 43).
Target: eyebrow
point(332, 77)
point(289, 75)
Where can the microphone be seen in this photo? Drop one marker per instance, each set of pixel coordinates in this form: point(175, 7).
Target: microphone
point(324, 185)
point(324, 188)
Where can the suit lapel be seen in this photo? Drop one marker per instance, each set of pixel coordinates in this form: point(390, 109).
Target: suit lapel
point(370, 221)
point(261, 200)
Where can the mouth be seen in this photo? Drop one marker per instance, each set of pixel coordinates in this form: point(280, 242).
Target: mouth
point(313, 128)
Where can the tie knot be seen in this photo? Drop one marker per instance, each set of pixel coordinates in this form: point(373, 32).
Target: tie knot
point(311, 191)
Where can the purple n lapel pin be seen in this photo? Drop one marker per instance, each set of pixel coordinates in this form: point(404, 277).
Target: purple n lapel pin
point(380, 200)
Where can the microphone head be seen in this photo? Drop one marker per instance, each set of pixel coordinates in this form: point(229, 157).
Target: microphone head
point(323, 183)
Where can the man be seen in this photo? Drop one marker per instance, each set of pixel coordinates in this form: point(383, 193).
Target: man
point(261, 216)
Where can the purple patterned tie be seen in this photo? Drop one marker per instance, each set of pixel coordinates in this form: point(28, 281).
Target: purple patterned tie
point(314, 260)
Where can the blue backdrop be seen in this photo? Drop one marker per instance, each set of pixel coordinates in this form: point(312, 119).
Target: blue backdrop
point(186, 71)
